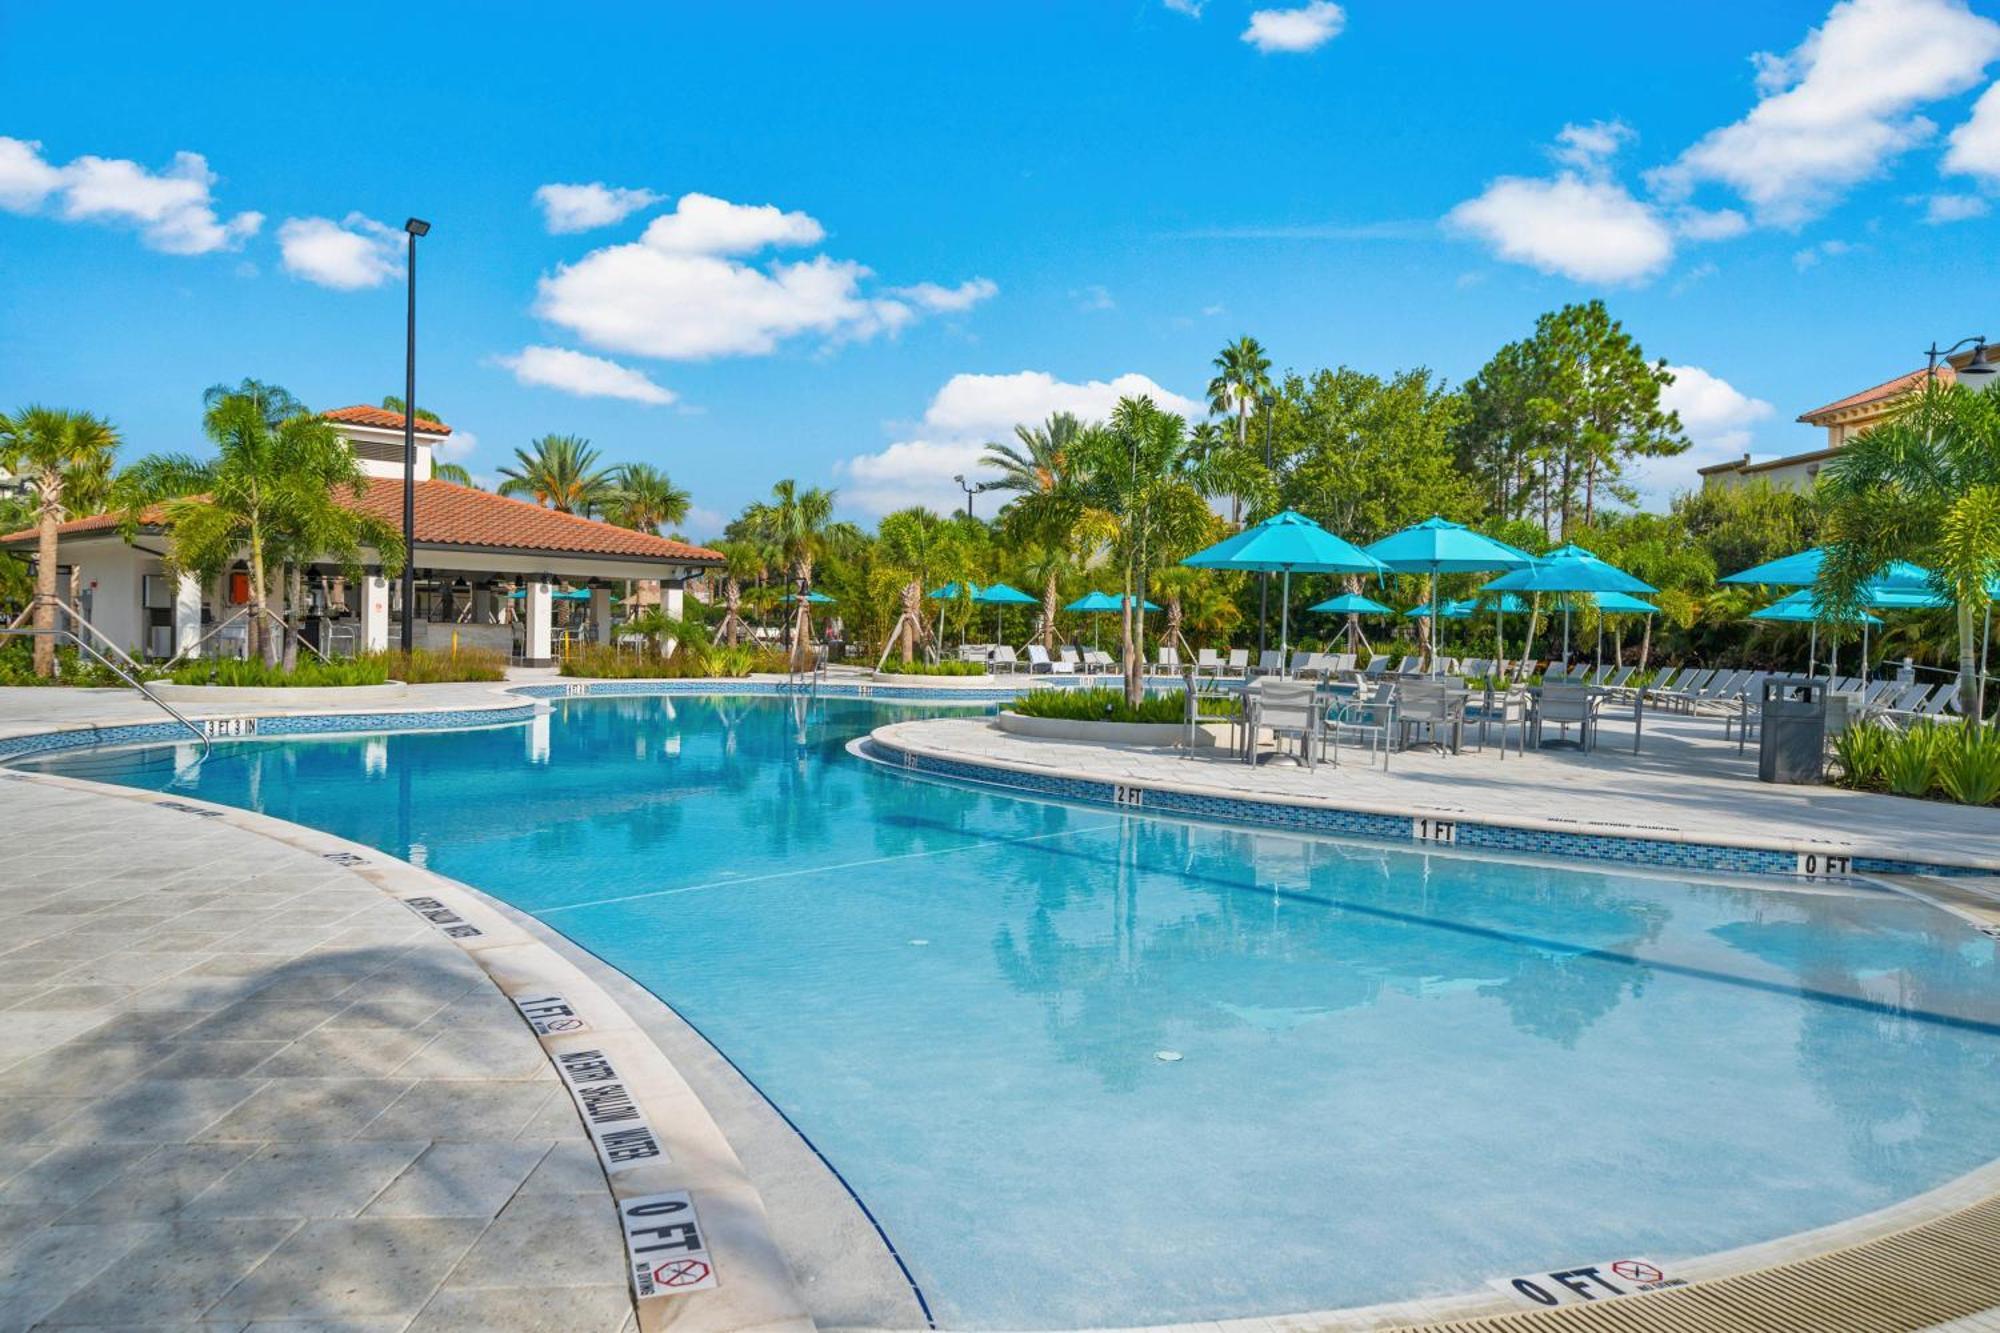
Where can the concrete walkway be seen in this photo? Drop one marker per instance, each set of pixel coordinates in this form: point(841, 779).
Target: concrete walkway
point(243, 1088)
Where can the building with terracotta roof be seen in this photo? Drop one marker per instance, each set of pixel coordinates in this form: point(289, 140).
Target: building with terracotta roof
point(1842, 420)
point(487, 565)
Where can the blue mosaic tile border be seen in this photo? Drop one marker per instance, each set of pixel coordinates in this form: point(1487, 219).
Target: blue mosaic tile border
point(1613, 848)
point(268, 728)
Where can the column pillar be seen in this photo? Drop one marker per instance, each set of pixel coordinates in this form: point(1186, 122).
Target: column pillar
point(537, 623)
point(374, 614)
point(600, 615)
point(673, 603)
point(187, 614)
point(482, 605)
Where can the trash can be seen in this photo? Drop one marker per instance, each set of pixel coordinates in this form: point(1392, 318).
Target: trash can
point(1793, 736)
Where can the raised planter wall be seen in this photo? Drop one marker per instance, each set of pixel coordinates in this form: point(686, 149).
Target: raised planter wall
point(1107, 733)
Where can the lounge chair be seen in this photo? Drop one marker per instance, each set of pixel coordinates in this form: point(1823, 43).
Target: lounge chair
point(1169, 662)
point(1067, 653)
point(1039, 660)
point(1341, 664)
point(1207, 660)
point(1285, 708)
point(1239, 662)
point(1270, 662)
point(1304, 664)
point(1003, 658)
point(1097, 661)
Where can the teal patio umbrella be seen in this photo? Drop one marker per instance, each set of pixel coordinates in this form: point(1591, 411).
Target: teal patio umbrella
point(813, 598)
point(1438, 546)
point(1351, 605)
point(1502, 605)
point(1569, 569)
point(950, 592)
point(997, 595)
point(1102, 603)
point(1803, 568)
point(1802, 608)
point(1286, 543)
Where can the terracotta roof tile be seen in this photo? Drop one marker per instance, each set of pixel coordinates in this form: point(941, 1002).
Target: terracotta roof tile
point(383, 419)
point(452, 515)
point(1894, 388)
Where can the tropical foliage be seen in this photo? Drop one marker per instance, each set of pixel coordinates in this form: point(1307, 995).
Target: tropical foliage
point(64, 454)
point(562, 472)
point(1945, 762)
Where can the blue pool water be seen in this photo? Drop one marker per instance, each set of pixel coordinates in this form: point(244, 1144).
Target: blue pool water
point(1402, 1073)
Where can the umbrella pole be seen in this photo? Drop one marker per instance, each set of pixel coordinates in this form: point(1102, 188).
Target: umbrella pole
point(1985, 642)
point(1284, 620)
point(1434, 620)
point(1565, 637)
point(1812, 652)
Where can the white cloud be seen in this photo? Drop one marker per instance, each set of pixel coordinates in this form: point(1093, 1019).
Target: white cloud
point(677, 294)
point(949, 300)
point(585, 376)
point(1306, 28)
point(1702, 224)
point(1812, 255)
point(704, 524)
point(967, 412)
point(1942, 208)
point(568, 208)
point(455, 447)
point(348, 255)
point(1833, 111)
point(173, 210)
point(701, 224)
point(1093, 298)
point(26, 180)
point(1590, 147)
point(1589, 230)
point(1717, 418)
point(1191, 8)
point(1975, 146)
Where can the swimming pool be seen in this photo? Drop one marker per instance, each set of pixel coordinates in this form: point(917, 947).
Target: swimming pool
point(1400, 1073)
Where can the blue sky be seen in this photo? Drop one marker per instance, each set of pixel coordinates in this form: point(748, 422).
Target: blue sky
point(911, 225)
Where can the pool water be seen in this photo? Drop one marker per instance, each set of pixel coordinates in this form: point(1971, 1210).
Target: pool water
point(1399, 1073)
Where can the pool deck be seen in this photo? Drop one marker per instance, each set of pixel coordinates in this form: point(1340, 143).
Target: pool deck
point(1686, 783)
point(253, 1091)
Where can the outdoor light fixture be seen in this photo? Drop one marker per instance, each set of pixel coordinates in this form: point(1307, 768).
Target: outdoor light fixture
point(969, 490)
point(415, 227)
point(1975, 374)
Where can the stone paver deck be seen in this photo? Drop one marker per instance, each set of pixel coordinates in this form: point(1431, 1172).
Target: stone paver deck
point(243, 1088)
point(1685, 778)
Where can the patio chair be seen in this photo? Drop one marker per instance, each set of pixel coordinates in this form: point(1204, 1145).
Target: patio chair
point(1505, 706)
point(1270, 662)
point(1285, 708)
point(1003, 658)
point(1209, 661)
point(1378, 666)
point(1435, 706)
point(1304, 664)
point(1566, 704)
point(1370, 713)
point(1039, 660)
point(1341, 665)
point(1239, 662)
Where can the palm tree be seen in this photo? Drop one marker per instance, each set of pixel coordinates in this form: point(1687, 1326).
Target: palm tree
point(918, 547)
point(559, 471)
point(645, 498)
point(1242, 377)
point(394, 404)
point(272, 496)
point(1047, 505)
point(1923, 486)
point(455, 473)
point(799, 524)
point(273, 400)
point(49, 446)
point(740, 560)
point(1138, 474)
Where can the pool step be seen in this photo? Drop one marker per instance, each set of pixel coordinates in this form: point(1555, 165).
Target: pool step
point(1941, 1271)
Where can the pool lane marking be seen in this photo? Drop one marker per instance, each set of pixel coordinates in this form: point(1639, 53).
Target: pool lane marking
point(735, 880)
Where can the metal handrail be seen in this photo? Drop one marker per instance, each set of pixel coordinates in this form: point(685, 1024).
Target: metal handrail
point(206, 746)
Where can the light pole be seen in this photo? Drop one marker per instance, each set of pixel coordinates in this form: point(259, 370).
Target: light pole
point(1976, 374)
point(415, 227)
point(1264, 578)
point(970, 491)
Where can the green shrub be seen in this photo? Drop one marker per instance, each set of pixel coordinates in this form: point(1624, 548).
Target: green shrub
point(919, 667)
point(73, 669)
point(1862, 750)
point(1100, 705)
point(692, 658)
point(310, 672)
point(421, 666)
point(1910, 761)
point(1968, 765)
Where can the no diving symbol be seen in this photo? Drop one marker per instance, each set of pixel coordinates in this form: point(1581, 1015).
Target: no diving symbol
point(1637, 1270)
point(681, 1273)
point(563, 1024)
